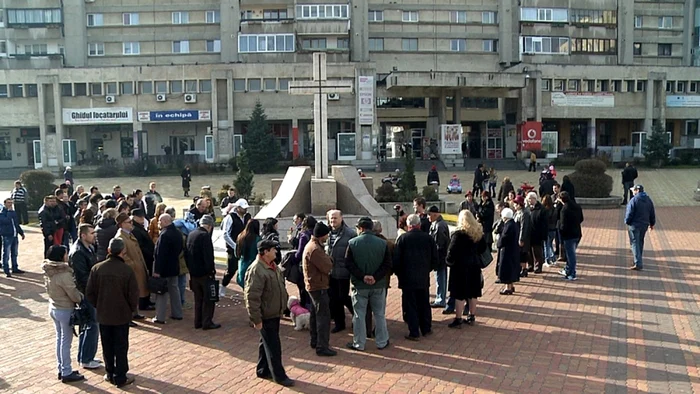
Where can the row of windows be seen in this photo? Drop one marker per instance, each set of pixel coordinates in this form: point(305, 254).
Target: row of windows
point(663, 22)
point(323, 11)
point(564, 45)
point(487, 17)
point(133, 18)
point(662, 50)
point(134, 48)
point(274, 15)
point(34, 16)
point(112, 88)
point(321, 43)
point(252, 43)
point(564, 15)
point(620, 86)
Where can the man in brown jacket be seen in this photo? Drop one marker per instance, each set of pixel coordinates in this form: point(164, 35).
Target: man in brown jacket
point(317, 267)
point(112, 288)
point(133, 257)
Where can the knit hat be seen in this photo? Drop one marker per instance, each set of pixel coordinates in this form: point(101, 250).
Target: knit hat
point(122, 217)
point(507, 213)
point(519, 200)
point(206, 220)
point(321, 230)
point(56, 252)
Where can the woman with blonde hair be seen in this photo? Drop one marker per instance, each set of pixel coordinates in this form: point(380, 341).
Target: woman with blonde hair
point(463, 257)
point(153, 229)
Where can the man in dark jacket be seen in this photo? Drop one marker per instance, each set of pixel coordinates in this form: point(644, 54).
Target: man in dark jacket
point(167, 265)
point(145, 242)
point(441, 234)
point(419, 207)
point(9, 232)
point(640, 216)
point(547, 186)
point(82, 258)
point(478, 180)
point(233, 225)
point(369, 262)
point(629, 174)
point(570, 219)
point(199, 255)
point(230, 198)
point(339, 290)
point(112, 288)
point(538, 235)
point(199, 209)
point(50, 218)
point(415, 256)
point(152, 198)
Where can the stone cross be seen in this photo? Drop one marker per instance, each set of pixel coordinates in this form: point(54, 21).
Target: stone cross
point(320, 87)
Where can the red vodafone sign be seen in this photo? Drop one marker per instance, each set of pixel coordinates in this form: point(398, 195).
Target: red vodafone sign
point(531, 136)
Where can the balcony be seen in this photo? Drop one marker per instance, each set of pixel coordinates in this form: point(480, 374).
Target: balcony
point(267, 26)
point(323, 27)
point(21, 61)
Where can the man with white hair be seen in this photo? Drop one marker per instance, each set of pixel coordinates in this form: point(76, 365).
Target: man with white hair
point(538, 235)
point(337, 247)
point(233, 224)
point(415, 257)
point(167, 265)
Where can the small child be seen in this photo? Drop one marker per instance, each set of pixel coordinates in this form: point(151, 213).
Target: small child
point(493, 179)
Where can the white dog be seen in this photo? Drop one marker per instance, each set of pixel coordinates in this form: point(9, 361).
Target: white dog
point(300, 315)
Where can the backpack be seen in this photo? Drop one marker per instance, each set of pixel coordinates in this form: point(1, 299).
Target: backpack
point(290, 267)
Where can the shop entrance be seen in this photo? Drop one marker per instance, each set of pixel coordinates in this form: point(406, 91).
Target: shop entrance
point(473, 133)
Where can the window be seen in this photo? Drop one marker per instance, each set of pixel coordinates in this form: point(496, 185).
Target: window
point(488, 17)
point(96, 49)
point(126, 87)
point(66, 90)
point(111, 88)
point(343, 43)
point(17, 90)
point(275, 15)
point(254, 85)
point(251, 43)
point(191, 86)
point(33, 49)
point(629, 86)
point(558, 85)
point(96, 89)
point(146, 87)
point(458, 45)
point(284, 84)
point(376, 44)
point(669, 86)
point(213, 17)
point(617, 86)
point(546, 85)
point(3, 91)
point(246, 15)
point(693, 87)
point(6, 148)
point(375, 16)
point(181, 47)
point(270, 84)
point(175, 87)
point(641, 86)
point(132, 48)
point(127, 146)
point(409, 16)
point(489, 45)
point(637, 49)
point(313, 43)
point(205, 86)
point(638, 21)
point(32, 90)
point(130, 19)
point(181, 17)
point(409, 44)
point(544, 14)
point(593, 17)
point(34, 16)
point(458, 16)
point(239, 85)
point(594, 45)
point(3, 47)
point(680, 87)
point(161, 87)
point(322, 11)
point(80, 89)
point(603, 86)
point(95, 20)
point(2, 23)
point(213, 46)
point(546, 45)
point(664, 50)
point(665, 22)
point(572, 85)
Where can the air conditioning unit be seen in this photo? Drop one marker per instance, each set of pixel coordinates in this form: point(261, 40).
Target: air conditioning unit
point(333, 96)
point(107, 136)
point(190, 98)
point(110, 99)
point(161, 98)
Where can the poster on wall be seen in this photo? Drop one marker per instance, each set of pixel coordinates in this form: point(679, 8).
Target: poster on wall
point(531, 136)
point(346, 146)
point(365, 99)
point(450, 139)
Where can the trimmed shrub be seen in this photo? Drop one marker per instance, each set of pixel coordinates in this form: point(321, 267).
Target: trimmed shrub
point(39, 184)
point(386, 193)
point(244, 180)
point(141, 168)
point(106, 172)
point(590, 179)
point(430, 194)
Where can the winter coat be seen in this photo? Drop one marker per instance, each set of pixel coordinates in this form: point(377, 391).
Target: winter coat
point(509, 253)
point(547, 187)
point(506, 187)
point(433, 176)
point(134, 259)
point(485, 214)
point(265, 292)
point(478, 177)
point(82, 259)
point(49, 219)
point(368, 255)
point(186, 176)
point(551, 215)
point(524, 220)
point(440, 232)
point(104, 232)
point(317, 266)
point(112, 289)
point(337, 251)
point(247, 255)
point(538, 218)
point(469, 206)
point(415, 256)
point(567, 186)
point(167, 253)
point(153, 198)
point(640, 211)
point(629, 174)
point(58, 279)
point(199, 253)
point(570, 219)
point(465, 269)
point(146, 244)
point(9, 223)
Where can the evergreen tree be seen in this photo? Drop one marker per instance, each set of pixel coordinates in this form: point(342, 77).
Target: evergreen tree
point(263, 150)
point(407, 183)
point(244, 178)
point(657, 147)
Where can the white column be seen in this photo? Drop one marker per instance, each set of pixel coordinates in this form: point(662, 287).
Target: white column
point(591, 133)
point(42, 122)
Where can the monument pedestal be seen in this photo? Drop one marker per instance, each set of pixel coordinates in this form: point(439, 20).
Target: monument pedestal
point(323, 196)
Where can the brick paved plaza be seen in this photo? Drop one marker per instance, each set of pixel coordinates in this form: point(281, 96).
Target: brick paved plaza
point(611, 331)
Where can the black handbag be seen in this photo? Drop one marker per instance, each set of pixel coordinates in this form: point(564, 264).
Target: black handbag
point(485, 258)
point(157, 285)
point(212, 290)
point(290, 267)
point(81, 317)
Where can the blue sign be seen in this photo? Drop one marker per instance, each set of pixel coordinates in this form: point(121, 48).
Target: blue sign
point(174, 116)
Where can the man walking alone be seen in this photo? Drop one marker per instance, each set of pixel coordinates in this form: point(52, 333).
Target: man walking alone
point(639, 217)
point(199, 255)
point(629, 174)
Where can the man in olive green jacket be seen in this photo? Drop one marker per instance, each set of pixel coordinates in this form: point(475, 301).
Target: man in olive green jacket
point(369, 262)
point(266, 299)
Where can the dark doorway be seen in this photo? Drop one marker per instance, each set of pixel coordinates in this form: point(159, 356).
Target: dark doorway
point(474, 140)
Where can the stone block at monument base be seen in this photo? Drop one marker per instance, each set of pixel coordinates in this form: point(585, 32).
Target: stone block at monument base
point(275, 183)
point(294, 195)
point(369, 184)
point(324, 194)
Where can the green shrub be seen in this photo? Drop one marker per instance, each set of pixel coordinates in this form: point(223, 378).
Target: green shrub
point(386, 193)
point(244, 179)
point(430, 194)
point(39, 184)
point(258, 199)
point(590, 179)
point(106, 171)
point(233, 163)
point(141, 168)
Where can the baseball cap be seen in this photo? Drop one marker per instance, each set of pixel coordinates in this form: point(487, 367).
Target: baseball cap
point(637, 187)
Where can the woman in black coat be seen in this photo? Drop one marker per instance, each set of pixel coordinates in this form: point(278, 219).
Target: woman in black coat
point(567, 186)
point(485, 212)
point(466, 282)
point(508, 252)
point(186, 176)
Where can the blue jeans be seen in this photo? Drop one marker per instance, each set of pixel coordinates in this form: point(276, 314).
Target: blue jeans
point(64, 338)
point(549, 246)
point(377, 300)
point(182, 285)
point(570, 246)
point(87, 340)
point(441, 280)
point(9, 246)
point(637, 235)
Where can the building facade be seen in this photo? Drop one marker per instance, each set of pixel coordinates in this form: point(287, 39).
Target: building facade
point(85, 81)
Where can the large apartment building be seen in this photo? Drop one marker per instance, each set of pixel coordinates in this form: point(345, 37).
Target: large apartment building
point(84, 81)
